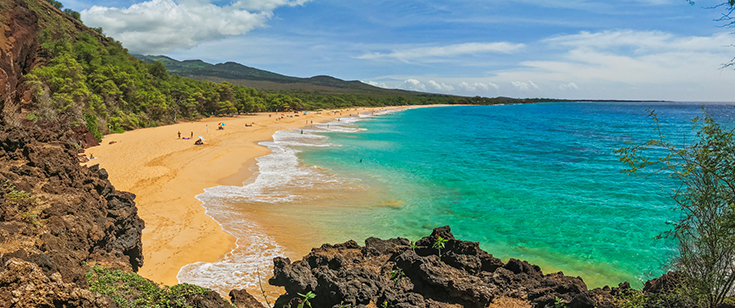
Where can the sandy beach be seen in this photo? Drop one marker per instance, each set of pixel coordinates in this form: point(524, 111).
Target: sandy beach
point(166, 173)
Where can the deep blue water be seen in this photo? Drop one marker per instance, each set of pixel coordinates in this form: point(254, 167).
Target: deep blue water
point(538, 182)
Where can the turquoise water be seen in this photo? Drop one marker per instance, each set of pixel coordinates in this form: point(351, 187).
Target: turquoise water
point(538, 182)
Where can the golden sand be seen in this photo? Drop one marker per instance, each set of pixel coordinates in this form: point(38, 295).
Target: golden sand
point(166, 173)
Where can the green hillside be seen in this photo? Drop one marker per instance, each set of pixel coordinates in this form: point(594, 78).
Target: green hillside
point(90, 79)
point(264, 80)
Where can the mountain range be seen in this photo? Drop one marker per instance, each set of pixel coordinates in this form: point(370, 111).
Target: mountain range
point(239, 74)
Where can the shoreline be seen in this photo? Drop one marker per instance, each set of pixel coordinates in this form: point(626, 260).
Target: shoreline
point(166, 173)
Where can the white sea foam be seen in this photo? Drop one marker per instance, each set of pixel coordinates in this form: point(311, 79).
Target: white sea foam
point(280, 178)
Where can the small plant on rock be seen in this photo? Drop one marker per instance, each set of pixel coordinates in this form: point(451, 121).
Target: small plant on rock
point(12, 195)
point(22, 202)
point(413, 246)
point(439, 243)
point(262, 291)
point(396, 275)
point(559, 303)
point(132, 290)
point(305, 299)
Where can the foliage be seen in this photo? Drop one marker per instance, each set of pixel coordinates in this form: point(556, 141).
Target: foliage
point(31, 116)
point(12, 195)
point(439, 243)
point(262, 291)
point(305, 299)
point(87, 78)
point(22, 203)
point(727, 19)
point(91, 122)
point(132, 290)
point(638, 299)
point(56, 4)
point(91, 76)
point(396, 275)
point(559, 303)
point(320, 92)
point(74, 14)
point(705, 232)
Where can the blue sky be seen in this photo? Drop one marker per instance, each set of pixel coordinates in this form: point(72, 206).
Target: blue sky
point(623, 49)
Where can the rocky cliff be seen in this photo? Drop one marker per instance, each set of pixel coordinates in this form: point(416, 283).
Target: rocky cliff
point(19, 46)
point(59, 215)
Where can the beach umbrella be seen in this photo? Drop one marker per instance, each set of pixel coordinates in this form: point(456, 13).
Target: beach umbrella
point(223, 123)
point(200, 137)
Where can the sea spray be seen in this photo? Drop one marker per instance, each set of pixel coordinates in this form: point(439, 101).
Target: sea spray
point(537, 182)
point(280, 178)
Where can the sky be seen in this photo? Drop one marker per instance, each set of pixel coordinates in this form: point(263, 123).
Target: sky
point(575, 49)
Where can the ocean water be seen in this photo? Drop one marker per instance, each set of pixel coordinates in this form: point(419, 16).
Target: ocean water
point(538, 182)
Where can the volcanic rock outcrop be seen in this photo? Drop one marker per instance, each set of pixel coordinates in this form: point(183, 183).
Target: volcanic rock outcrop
point(59, 215)
point(395, 274)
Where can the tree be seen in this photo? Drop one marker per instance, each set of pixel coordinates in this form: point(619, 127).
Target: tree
point(705, 232)
point(74, 14)
point(56, 4)
point(727, 18)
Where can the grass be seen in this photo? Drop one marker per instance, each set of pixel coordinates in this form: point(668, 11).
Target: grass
point(132, 290)
point(12, 195)
point(24, 203)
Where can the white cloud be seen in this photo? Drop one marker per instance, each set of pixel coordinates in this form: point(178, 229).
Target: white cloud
point(160, 26)
point(629, 64)
point(524, 86)
point(377, 84)
point(448, 51)
point(265, 5)
point(533, 85)
point(641, 41)
point(520, 85)
point(441, 86)
point(413, 84)
point(478, 86)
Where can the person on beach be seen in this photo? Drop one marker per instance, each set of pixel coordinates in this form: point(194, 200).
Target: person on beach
point(179, 134)
point(192, 135)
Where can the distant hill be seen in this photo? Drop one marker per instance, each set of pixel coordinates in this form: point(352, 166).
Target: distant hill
point(237, 73)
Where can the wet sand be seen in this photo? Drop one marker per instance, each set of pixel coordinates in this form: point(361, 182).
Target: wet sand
point(166, 173)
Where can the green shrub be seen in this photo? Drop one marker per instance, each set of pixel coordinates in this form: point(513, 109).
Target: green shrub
point(92, 126)
point(132, 290)
point(12, 195)
point(32, 116)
